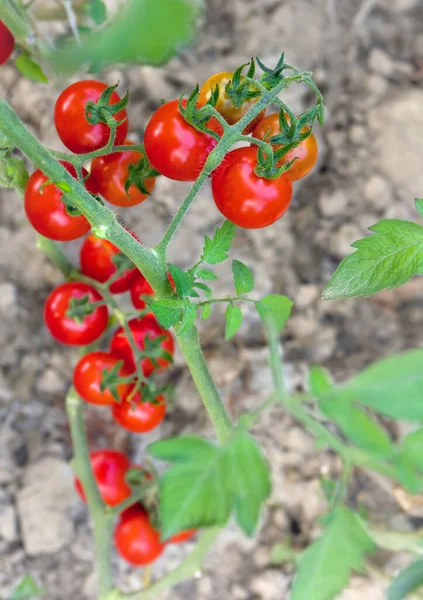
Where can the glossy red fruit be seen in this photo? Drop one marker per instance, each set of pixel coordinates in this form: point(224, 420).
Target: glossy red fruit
point(175, 148)
point(7, 43)
point(146, 327)
point(71, 123)
point(82, 331)
point(138, 416)
point(140, 287)
point(182, 537)
point(136, 539)
point(89, 375)
point(47, 213)
point(96, 256)
point(110, 173)
point(109, 468)
point(244, 198)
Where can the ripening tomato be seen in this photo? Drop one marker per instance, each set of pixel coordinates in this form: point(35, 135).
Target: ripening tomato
point(182, 537)
point(306, 152)
point(96, 256)
point(139, 416)
point(71, 123)
point(89, 375)
point(7, 43)
point(110, 173)
point(224, 105)
point(47, 213)
point(109, 469)
point(140, 287)
point(175, 148)
point(146, 327)
point(244, 198)
point(85, 325)
point(135, 537)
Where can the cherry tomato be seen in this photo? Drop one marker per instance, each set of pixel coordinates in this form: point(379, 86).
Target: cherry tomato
point(244, 198)
point(182, 537)
point(71, 123)
point(74, 331)
point(306, 152)
point(47, 213)
point(110, 173)
point(224, 105)
point(109, 468)
point(146, 327)
point(88, 377)
point(140, 287)
point(7, 43)
point(138, 416)
point(136, 539)
point(175, 148)
point(96, 257)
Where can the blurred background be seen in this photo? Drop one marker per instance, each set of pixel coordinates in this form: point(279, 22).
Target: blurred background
point(367, 57)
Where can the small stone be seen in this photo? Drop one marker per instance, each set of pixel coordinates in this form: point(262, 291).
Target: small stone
point(8, 525)
point(377, 86)
point(302, 327)
point(324, 344)
point(334, 203)
point(205, 586)
point(299, 440)
point(8, 296)
point(238, 593)
point(269, 585)
point(50, 382)
point(377, 191)
point(381, 62)
point(358, 134)
point(306, 295)
point(341, 240)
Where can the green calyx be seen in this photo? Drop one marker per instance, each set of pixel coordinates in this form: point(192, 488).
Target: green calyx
point(97, 112)
point(240, 88)
point(110, 379)
point(79, 308)
point(273, 76)
point(198, 117)
point(138, 173)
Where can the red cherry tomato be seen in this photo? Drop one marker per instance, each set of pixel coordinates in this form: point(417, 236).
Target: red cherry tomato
point(140, 287)
point(306, 152)
point(47, 213)
point(184, 536)
point(224, 105)
point(138, 416)
point(71, 123)
point(109, 468)
point(88, 377)
point(175, 148)
point(244, 198)
point(7, 43)
point(82, 331)
point(96, 257)
point(110, 173)
point(136, 539)
point(146, 327)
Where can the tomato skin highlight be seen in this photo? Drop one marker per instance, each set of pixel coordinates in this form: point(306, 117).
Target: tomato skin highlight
point(67, 330)
point(87, 379)
point(96, 256)
point(109, 469)
point(182, 537)
point(110, 173)
point(244, 198)
point(46, 211)
point(140, 287)
point(306, 152)
point(136, 539)
point(175, 148)
point(72, 126)
point(138, 416)
point(141, 328)
point(7, 43)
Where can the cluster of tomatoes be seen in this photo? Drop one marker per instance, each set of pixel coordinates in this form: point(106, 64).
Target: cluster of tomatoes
point(7, 43)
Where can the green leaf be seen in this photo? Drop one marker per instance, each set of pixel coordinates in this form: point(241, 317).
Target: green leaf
point(282, 553)
point(205, 288)
point(183, 281)
point(206, 274)
point(319, 381)
point(385, 260)
point(97, 11)
point(233, 317)
point(206, 483)
point(168, 312)
point(215, 249)
point(206, 312)
point(142, 32)
point(419, 205)
point(407, 581)
point(26, 590)
point(324, 569)
point(411, 449)
point(30, 68)
point(243, 277)
point(276, 309)
point(188, 317)
point(13, 173)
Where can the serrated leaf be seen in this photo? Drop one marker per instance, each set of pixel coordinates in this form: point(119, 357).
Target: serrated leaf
point(384, 260)
point(233, 317)
point(188, 317)
point(168, 312)
point(407, 581)
point(243, 277)
point(206, 312)
point(215, 249)
point(30, 68)
point(324, 569)
point(206, 274)
point(275, 308)
point(183, 281)
point(98, 11)
point(26, 590)
point(205, 288)
point(206, 483)
point(319, 381)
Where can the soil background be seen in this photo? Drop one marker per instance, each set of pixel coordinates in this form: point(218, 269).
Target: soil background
point(367, 56)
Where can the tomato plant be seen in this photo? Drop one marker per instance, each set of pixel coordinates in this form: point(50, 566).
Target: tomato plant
point(7, 43)
point(110, 468)
point(137, 541)
point(93, 371)
point(182, 537)
point(140, 287)
point(139, 415)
